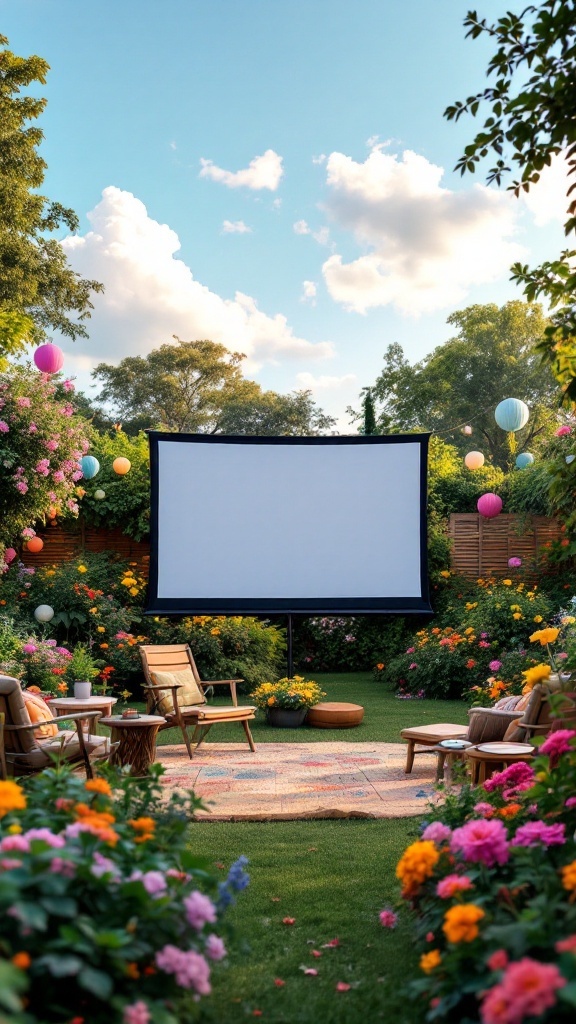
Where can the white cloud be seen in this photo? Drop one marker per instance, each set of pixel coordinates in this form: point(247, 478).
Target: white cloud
point(427, 245)
point(263, 171)
point(276, 204)
point(325, 383)
point(547, 199)
point(320, 159)
point(309, 291)
point(322, 236)
point(151, 295)
point(235, 227)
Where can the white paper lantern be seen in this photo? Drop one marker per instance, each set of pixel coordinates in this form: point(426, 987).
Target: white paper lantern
point(474, 460)
point(467, 430)
point(43, 613)
point(99, 495)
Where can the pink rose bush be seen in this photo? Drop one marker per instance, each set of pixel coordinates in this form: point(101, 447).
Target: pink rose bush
point(110, 898)
point(41, 449)
point(491, 887)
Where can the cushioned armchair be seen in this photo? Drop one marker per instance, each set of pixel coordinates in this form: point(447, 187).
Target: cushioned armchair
point(27, 747)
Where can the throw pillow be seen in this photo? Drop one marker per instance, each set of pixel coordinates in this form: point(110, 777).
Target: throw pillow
point(38, 711)
point(189, 694)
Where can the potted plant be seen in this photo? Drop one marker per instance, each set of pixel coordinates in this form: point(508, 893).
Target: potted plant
point(81, 670)
point(286, 702)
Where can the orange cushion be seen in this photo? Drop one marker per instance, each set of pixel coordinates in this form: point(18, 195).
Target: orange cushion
point(38, 711)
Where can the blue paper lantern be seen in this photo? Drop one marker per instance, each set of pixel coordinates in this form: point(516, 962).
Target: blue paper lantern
point(511, 414)
point(89, 466)
point(524, 459)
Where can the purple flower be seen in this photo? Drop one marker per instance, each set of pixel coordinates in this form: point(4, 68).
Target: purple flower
point(191, 969)
point(495, 665)
point(199, 910)
point(136, 1013)
point(536, 833)
point(215, 948)
point(437, 832)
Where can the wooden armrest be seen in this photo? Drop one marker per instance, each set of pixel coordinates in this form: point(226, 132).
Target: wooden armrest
point(155, 686)
point(78, 716)
point(218, 682)
point(536, 728)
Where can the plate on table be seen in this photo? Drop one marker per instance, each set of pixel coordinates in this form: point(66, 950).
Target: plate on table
point(506, 748)
point(455, 744)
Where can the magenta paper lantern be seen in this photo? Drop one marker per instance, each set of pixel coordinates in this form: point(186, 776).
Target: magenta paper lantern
point(49, 358)
point(9, 555)
point(514, 563)
point(489, 505)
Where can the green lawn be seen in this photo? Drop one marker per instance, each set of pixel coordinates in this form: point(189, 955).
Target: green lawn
point(333, 878)
point(384, 715)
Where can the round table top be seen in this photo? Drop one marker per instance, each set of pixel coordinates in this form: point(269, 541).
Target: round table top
point(116, 721)
point(333, 705)
point(70, 703)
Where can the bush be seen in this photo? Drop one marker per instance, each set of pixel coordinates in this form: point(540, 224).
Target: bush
point(105, 911)
point(353, 644)
point(127, 501)
point(491, 883)
point(440, 664)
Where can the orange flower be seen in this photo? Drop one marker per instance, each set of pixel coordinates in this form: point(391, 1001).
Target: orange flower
point(142, 824)
point(132, 971)
point(62, 687)
point(545, 636)
point(22, 960)
point(104, 647)
point(98, 786)
point(416, 864)
point(510, 811)
point(12, 797)
point(428, 961)
point(461, 922)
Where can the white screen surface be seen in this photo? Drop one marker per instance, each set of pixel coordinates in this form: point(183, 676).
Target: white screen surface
point(246, 524)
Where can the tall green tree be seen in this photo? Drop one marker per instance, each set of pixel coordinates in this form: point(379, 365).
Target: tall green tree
point(198, 387)
point(39, 291)
point(369, 414)
point(491, 357)
point(531, 106)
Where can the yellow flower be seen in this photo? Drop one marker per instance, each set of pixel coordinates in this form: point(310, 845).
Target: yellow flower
point(133, 591)
point(428, 961)
point(537, 618)
point(445, 573)
point(517, 615)
point(535, 675)
point(93, 611)
point(100, 629)
point(515, 608)
point(82, 568)
point(128, 581)
point(461, 922)
point(507, 583)
point(12, 797)
point(568, 620)
point(98, 786)
point(469, 630)
point(14, 830)
point(545, 636)
point(215, 631)
point(416, 865)
point(569, 876)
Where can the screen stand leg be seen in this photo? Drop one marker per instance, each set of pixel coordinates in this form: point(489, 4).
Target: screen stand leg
point(290, 651)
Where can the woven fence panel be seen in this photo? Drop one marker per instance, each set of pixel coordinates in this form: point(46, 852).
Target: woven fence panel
point(482, 547)
point(64, 544)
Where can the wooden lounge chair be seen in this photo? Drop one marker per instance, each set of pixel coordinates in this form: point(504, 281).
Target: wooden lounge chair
point(28, 747)
point(174, 689)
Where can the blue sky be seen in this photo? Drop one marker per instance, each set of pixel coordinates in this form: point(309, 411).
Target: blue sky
point(275, 175)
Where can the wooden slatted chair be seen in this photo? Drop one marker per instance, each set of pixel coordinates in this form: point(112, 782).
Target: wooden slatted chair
point(28, 747)
point(175, 691)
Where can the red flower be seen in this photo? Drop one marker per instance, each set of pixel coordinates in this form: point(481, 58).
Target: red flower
point(342, 986)
point(470, 663)
point(279, 983)
point(288, 920)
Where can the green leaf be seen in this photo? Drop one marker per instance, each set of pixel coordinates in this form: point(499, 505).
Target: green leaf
point(61, 966)
point(113, 939)
point(97, 982)
point(63, 906)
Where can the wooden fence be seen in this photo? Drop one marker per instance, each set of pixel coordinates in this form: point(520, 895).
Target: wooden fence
point(482, 547)
point(62, 544)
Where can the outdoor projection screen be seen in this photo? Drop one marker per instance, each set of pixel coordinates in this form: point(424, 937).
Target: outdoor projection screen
point(277, 525)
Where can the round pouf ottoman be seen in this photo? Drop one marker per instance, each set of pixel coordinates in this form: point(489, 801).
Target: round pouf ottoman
point(334, 715)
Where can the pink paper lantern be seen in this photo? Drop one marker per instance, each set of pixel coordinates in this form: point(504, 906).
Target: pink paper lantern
point(489, 505)
point(9, 555)
point(467, 430)
point(514, 563)
point(49, 358)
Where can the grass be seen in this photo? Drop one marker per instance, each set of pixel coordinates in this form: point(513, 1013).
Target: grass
point(333, 878)
point(384, 715)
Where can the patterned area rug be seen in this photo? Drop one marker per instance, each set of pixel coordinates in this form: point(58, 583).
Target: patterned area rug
point(288, 781)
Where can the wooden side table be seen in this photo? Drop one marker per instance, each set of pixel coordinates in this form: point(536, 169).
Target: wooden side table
point(483, 763)
point(74, 705)
point(136, 738)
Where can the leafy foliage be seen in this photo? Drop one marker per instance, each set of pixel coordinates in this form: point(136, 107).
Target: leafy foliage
point(127, 501)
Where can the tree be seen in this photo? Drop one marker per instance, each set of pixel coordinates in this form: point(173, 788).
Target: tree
point(38, 289)
point(492, 357)
point(370, 425)
point(532, 119)
point(198, 387)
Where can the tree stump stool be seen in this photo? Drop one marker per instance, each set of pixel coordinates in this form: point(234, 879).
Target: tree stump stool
point(136, 738)
point(335, 715)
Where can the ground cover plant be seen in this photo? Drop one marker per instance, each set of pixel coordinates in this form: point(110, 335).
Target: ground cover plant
point(328, 880)
point(104, 910)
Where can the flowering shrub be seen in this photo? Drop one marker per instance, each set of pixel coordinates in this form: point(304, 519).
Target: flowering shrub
point(105, 911)
point(43, 664)
point(42, 442)
point(354, 643)
point(439, 662)
point(291, 694)
point(492, 884)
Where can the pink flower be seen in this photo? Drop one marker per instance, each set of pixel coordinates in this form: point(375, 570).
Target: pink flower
point(310, 970)
point(528, 988)
point(51, 445)
point(104, 866)
point(437, 832)
point(32, 428)
point(59, 866)
point(557, 743)
point(483, 841)
point(10, 864)
point(23, 403)
point(154, 883)
point(136, 1013)
point(498, 961)
point(485, 809)
point(563, 431)
point(571, 802)
point(410, 650)
point(536, 833)
point(199, 910)
point(413, 665)
point(342, 986)
point(566, 945)
point(77, 475)
point(22, 487)
point(68, 385)
point(484, 643)
point(515, 779)
point(43, 467)
point(190, 968)
point(215, 948)
point(67, 409)
point(388, 919)
point(29, 648)
point(452, 885)
point(58, 476)
point(4, 428)
point(18, 843)
point(45, 835)
point(495, 665)
point(28, 532)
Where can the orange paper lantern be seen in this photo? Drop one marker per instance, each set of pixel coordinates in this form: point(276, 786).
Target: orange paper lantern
point(121, 466)
point(35, 544)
